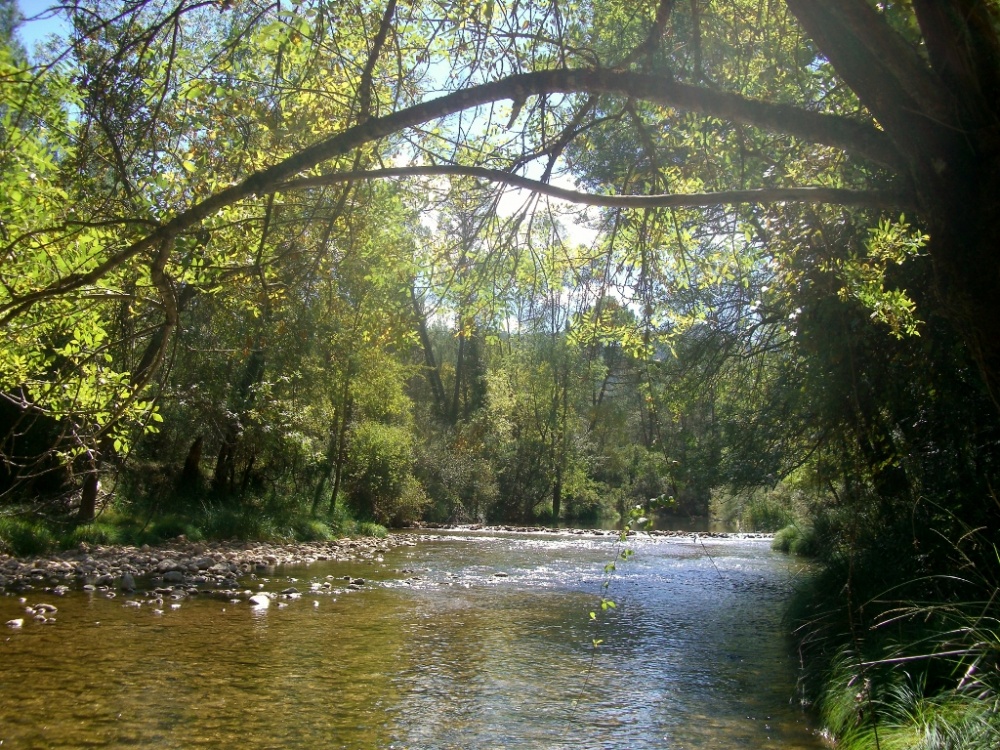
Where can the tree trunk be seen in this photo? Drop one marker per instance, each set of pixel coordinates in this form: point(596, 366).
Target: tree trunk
point(328, 464)
point(942, 120)
point(88, 496)
point(341, 457)
point(191, 473)
point(432, 370)
point(453, 411)
point(557, 496)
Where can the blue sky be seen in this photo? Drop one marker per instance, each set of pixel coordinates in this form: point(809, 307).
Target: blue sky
point(33, 31)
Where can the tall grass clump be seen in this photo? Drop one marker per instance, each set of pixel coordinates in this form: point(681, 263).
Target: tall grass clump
point(23, 537)
point(899, 656)
point(763, 509)
point(369, 528)
point(98, 533)
point(797, 539)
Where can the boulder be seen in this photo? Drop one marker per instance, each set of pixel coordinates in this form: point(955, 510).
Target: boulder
point(166, 565)
point(260, 601)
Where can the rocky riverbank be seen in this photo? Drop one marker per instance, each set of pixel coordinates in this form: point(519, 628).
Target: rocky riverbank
point(180, 566)
point(663, 533)
point(189, 568)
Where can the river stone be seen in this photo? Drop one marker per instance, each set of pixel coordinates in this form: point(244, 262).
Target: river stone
point(19, 622)
point(204, 563)
point(260, 601)
point(126, 582)
point(167, 565)
point(173, 576)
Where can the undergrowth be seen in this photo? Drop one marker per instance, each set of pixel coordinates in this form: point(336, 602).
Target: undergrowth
point(137, 524)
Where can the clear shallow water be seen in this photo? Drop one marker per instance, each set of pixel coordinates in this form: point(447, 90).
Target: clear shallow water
point(435, 652)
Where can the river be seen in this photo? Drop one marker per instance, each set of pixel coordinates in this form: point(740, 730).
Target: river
point(464, 641)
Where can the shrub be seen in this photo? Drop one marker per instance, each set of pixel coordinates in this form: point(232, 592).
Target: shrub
point(765, 512)
point(380, 480)
point(246, 522)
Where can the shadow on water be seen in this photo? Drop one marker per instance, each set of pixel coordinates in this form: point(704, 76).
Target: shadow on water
point(459, 642)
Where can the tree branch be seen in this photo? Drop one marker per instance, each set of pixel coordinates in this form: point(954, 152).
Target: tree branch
point(878, 65)
point(652, 40)
point(367, 75)
point(839, 196)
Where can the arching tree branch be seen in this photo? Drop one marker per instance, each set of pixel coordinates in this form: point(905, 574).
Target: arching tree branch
point(851, 135)
point(839, 196)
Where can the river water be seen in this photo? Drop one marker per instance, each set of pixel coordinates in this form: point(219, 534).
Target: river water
point(476, 641)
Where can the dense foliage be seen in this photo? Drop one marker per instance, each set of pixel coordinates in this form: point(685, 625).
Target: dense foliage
point(267, 266)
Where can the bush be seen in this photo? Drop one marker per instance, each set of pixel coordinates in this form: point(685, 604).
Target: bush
point(760, 509)
point(783, 539)
point(245, 522)
point(380, 484)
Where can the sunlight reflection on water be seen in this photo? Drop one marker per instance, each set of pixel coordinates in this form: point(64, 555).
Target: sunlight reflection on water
point(456, 643)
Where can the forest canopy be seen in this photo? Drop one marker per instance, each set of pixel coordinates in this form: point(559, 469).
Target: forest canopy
point(615, 218)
